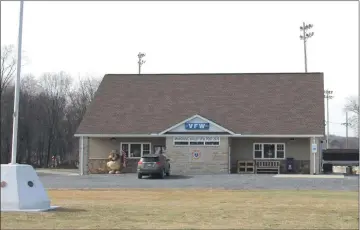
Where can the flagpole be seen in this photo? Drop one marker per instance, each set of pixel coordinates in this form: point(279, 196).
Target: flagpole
point(17, 89)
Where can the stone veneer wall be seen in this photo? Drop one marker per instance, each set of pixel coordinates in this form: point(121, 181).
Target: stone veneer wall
point(97, 166)
point(213, 160)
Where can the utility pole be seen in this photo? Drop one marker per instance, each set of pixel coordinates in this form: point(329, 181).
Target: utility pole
point(306, 34)
point(141, 61)
point(347, 124)
point(328, 95)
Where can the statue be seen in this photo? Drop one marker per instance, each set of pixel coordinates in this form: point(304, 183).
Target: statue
point(114, 163)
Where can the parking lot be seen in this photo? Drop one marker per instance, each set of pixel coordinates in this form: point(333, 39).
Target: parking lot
point(233, 181)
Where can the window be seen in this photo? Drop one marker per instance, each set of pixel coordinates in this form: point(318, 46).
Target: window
point(197, 141)
point(136, 150)
point(258, 151)
point(269, 151)
point(181, 143)
point(280, 151)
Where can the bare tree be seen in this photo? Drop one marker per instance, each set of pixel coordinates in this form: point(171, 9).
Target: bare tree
point(352, 106)
point(55, 88)
point(80, 98)
point(51, 109)
point(7, 107)
point(8, 66)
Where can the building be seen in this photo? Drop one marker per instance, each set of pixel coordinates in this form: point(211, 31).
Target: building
point(206, 123)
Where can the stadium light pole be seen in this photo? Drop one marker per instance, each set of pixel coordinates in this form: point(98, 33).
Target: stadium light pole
point(17, 89)
point(306, 34)
point(328, 95)
point(141, 61)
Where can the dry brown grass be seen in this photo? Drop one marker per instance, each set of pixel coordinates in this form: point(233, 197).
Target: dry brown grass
point(192, 209)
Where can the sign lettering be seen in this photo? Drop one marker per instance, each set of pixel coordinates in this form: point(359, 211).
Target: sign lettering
point(197, 138)
point(197, 126)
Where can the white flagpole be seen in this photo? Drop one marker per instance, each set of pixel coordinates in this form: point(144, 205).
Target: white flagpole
point(17, 89)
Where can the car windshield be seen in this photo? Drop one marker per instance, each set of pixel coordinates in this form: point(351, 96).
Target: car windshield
point(150, 159)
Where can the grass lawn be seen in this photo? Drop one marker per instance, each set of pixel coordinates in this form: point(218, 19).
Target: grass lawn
point(192, 209)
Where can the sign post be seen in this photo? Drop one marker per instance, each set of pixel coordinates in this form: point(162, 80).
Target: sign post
point(314, 149)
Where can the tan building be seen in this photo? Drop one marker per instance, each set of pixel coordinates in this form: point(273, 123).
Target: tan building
point(206, 123)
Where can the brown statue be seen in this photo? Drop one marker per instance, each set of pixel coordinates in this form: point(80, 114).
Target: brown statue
point(114, 163)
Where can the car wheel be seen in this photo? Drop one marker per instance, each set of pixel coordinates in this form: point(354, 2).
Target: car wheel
point(162, 174)
point(139, 175)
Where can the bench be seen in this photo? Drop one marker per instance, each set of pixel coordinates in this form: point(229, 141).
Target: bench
point(267, 167)
point(245, 166)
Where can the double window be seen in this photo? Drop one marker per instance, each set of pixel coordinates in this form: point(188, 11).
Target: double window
point(269, 151)
point(135, 150)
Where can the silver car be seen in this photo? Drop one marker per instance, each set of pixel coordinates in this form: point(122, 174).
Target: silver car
point(153, 164)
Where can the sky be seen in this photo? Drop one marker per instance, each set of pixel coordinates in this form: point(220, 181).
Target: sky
point(96, 38)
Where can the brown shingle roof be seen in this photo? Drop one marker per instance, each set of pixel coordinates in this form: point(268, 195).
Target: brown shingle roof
point(255, 103)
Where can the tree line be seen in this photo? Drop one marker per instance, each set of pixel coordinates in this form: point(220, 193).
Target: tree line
point(51, 108)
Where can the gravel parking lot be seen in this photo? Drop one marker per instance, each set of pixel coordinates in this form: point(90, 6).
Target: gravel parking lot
point(234, 181)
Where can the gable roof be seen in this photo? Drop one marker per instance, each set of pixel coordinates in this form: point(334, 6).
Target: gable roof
point(249, 104)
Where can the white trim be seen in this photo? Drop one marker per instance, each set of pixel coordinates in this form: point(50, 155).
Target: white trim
point(138, 143)
point(116, 135)
point(195, 135)
point(193, 117)
point(279, 136)
point(262, 151)
point(208, 134)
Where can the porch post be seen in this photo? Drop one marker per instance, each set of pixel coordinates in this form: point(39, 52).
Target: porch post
point(229, 154)
point(83, 155)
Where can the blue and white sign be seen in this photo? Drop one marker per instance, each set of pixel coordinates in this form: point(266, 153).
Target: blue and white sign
point(197, 126)
point(314, 148)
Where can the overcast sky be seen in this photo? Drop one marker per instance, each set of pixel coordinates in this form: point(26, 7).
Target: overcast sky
point(95, 38)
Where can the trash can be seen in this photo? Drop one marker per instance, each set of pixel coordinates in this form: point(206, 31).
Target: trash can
point(327, 168)
point(290, 165)
point(348, 170)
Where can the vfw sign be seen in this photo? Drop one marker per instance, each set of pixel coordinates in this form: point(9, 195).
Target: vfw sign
point(197, 126)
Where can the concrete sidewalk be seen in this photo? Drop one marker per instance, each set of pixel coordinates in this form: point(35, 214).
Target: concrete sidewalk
point(67, 172)
point(323, 176)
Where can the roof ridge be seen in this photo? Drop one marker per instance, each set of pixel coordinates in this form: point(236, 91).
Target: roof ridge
point(213, 74)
